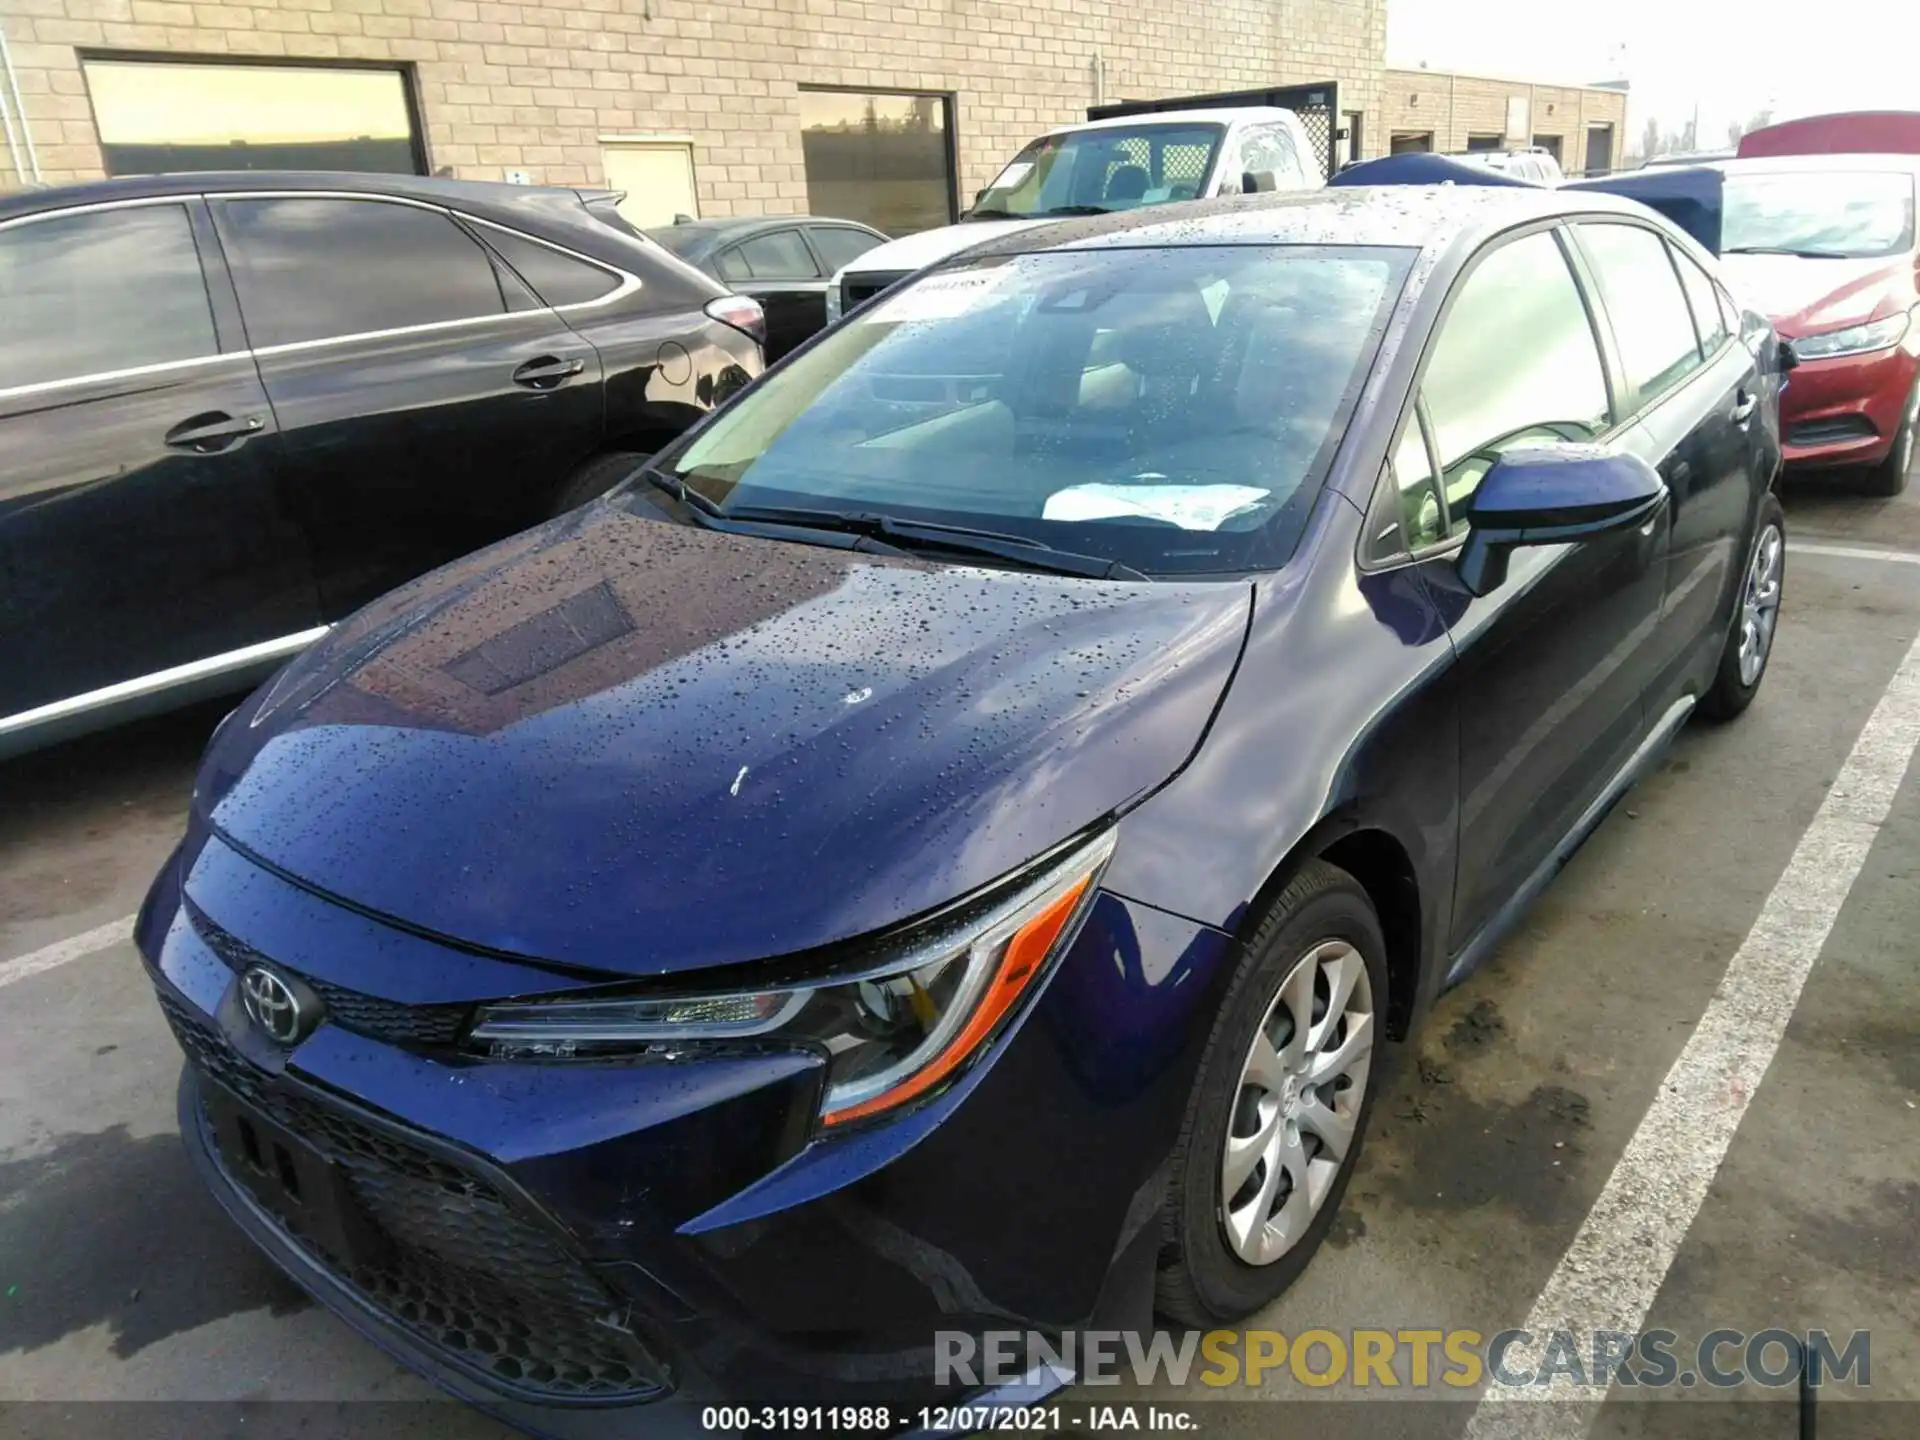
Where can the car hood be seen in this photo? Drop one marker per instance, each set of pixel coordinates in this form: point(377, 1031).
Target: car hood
point(1803, 296)
point(640, 748)
point(910, 252)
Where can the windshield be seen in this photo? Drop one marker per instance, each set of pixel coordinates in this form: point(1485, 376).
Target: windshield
point(1171, 410)
point(1115, 169)
point(1844, 214)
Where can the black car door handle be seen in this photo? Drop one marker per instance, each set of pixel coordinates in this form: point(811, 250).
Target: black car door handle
point(214, 431)
point(547, 372)
point(1743, 407)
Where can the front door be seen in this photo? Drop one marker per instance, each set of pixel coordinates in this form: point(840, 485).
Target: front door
point(430, 402)
point(1551, 667)
point(141, 529)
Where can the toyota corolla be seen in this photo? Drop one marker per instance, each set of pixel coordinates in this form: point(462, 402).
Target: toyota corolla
point(942, 847)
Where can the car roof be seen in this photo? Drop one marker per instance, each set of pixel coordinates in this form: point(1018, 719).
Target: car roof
point(1223, 115)
point(1427, 217)
point(1850, 160)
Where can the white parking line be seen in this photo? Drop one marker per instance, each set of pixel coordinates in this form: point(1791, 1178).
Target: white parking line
point(1851, 552)
point(1611, 1273)
point(61, 951)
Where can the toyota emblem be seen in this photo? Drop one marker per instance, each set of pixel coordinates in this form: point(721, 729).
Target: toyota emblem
point(273, 1006)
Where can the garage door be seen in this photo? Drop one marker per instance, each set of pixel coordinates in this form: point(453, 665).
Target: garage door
point(658, 179)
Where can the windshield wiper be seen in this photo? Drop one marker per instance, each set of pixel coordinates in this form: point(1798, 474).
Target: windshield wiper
point(1786, 250)
point(926, 535)
point(992, 213)
point(1074, 210)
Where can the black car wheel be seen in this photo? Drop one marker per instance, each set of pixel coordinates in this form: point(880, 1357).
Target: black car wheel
point(595, 478)
point(1273, 1128)
point(1889, 477)
point(1749, 645)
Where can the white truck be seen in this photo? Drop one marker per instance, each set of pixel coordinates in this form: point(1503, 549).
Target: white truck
point(1150, 157)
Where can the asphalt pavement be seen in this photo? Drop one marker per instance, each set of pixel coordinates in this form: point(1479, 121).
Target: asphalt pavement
point(1593, 1128)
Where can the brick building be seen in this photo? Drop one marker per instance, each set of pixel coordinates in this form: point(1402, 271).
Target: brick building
point(716, 109)
point(1584, 126)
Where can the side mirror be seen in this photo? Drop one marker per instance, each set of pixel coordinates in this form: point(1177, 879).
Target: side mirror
point(1258, 182)
point(1785, 357)
point(1552, 497)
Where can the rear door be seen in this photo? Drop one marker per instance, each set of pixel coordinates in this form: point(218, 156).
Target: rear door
point(1696, 396)
point(140, 526)
point(430, 403)
point(778, 269)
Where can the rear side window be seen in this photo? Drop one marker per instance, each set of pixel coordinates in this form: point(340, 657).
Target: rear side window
point(839, 246)
point(1651, 322)
point(556, 278)
point(1516, 364)
point(110, 290)
point(782, 255)
point(320, 269)
point(1704, 300)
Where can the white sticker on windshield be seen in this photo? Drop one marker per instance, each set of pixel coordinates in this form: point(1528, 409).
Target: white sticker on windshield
point(938, 297)
point(1012, 175)
point(1191, 507)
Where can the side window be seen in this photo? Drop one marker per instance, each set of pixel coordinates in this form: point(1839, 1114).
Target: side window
point(1516, 364)
point(1268, 147)
point(557, 279)
point(783, 255)
point(314, 269)
point(1651, 322)
point(1409, 517)
point(110, 290)
point(840, 246)
point(730, 265)
point(1704, 301)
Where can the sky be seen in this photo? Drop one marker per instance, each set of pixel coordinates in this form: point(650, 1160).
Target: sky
point(1728, 57)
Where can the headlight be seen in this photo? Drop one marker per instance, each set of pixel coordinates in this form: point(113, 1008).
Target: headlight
point(1854, 340)
point(891, 1031)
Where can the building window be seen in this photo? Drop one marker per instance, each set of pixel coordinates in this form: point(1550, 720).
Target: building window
point(1479, 144)
point(1550, 144)
point(882, 158)
point(157, 116)
point(1408, 143)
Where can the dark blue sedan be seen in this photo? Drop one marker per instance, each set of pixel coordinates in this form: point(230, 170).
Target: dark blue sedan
point(942, 847)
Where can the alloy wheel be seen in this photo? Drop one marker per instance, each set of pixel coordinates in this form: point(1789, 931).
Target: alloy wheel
point(1298, 1102)
point(1760, 603)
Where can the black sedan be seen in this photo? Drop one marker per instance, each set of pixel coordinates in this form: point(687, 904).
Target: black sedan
point(234, 408)
point(783, 261)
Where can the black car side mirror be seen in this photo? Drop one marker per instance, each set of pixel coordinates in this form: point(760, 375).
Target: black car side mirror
point(1552, 497)
point(1785, 357)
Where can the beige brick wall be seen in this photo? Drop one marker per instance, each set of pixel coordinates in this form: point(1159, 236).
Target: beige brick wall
point(532, 87)
point(1454, 108)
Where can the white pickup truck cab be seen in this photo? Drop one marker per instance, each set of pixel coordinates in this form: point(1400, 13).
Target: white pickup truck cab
point(1145, 159)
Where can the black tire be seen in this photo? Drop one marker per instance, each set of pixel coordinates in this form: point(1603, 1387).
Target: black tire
point(1202, 1282)
point(1730, 694)
point(594, 479)
point(1889, 477)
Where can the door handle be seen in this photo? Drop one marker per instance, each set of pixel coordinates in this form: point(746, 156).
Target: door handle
point(547, 373)
point(1744, 406)
point(213, 432)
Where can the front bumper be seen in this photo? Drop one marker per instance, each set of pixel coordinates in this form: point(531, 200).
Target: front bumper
point(1846, 411)
point(603, 1247)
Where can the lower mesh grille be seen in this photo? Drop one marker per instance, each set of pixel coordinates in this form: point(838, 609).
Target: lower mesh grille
point(464, 1271)
point(1831, 431)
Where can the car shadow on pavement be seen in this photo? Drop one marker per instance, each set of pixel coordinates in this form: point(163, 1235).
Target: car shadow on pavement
point(108, 1229)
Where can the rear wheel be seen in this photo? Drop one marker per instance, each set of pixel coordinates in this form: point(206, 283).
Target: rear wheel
point(1743, 663)
point(595, 478)
point(1889, 477)
point(1286, 1085)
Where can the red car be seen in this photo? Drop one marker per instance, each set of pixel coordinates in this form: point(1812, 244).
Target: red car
point(1824, 246)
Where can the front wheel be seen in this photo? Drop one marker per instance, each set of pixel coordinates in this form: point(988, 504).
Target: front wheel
point(1743, 660)
point(594, 479)
point(1889, 477)
point(1274, 1125)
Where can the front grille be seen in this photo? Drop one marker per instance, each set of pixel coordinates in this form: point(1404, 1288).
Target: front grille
point(1831, 431)
point(415, 1026)
point(858, 289)
point(462, 1269)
